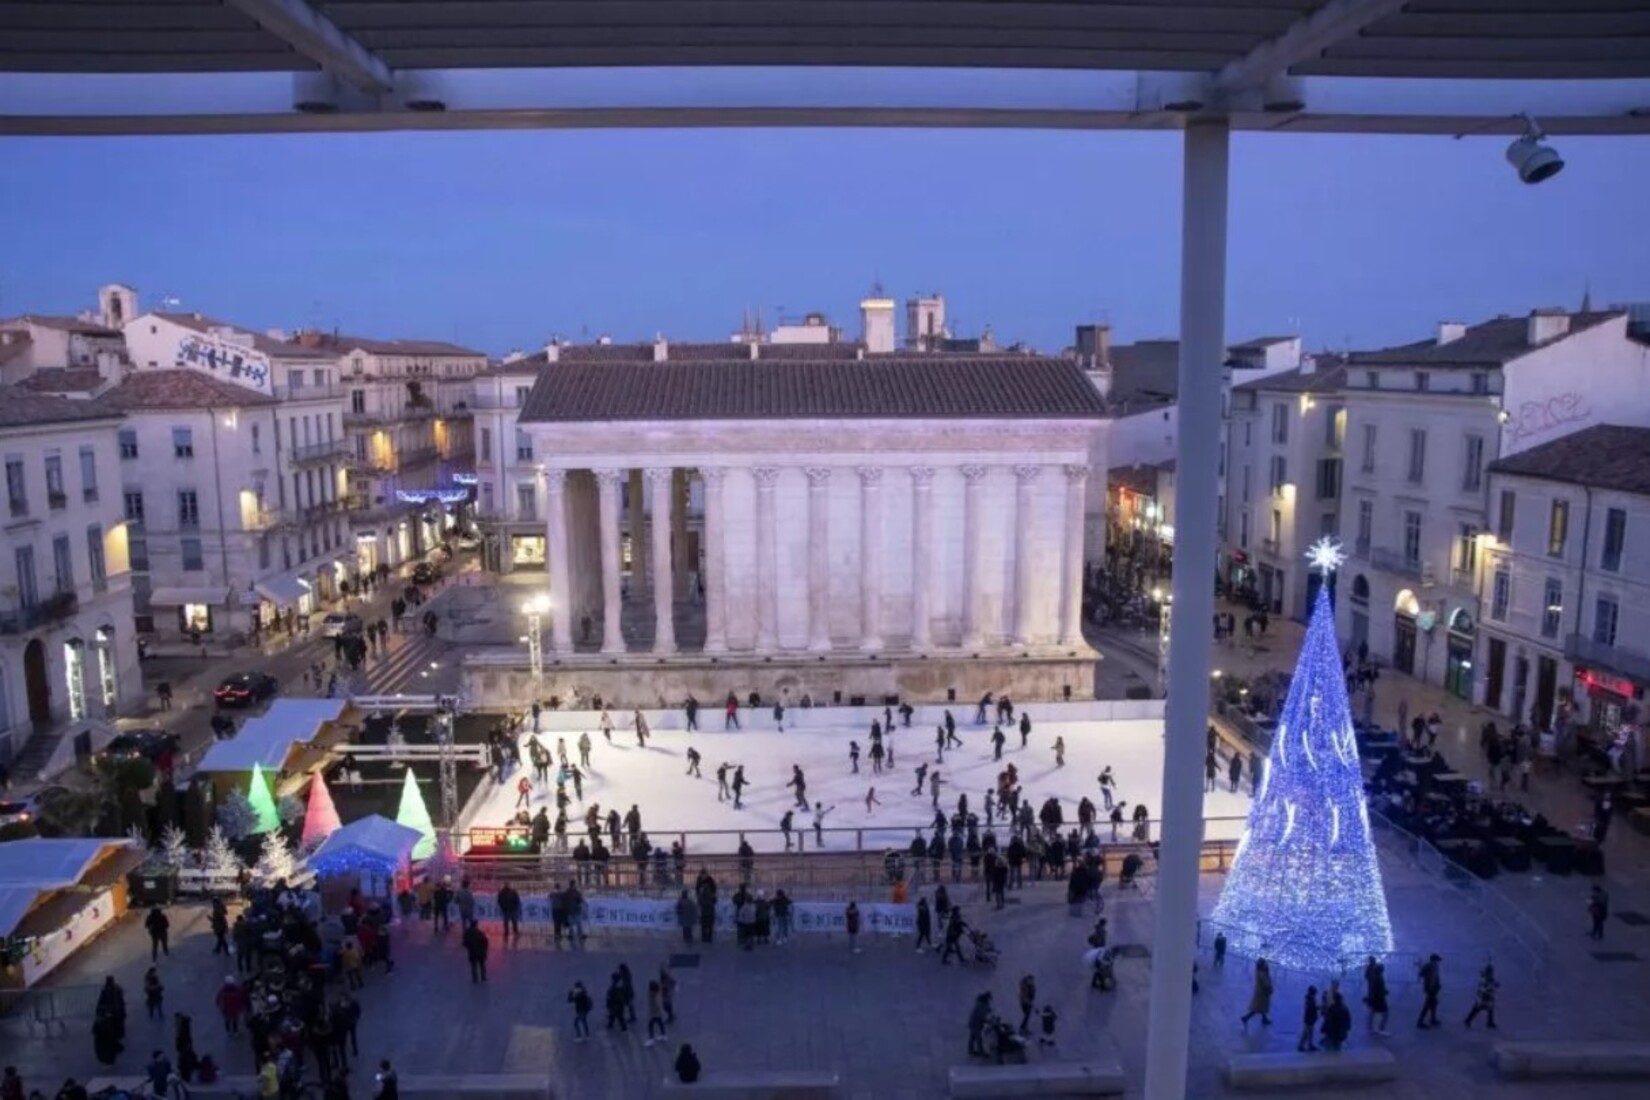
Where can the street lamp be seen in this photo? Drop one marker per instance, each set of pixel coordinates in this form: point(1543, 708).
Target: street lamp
point(536, 608)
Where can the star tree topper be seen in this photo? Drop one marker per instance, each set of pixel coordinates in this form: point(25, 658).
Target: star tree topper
point(1326, 555)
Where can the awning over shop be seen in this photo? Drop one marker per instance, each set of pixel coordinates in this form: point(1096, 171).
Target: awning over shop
point(35, 866)
point(282, 590)
point(177, 597)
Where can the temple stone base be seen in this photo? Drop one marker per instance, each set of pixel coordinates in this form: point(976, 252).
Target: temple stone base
point(505, 680)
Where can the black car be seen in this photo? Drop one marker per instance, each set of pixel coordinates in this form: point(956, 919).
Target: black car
point(148, 744)
point(245, 688)
point(424, 573)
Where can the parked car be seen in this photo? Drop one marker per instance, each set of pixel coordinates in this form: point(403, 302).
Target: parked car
point(147, 744)
point(425, 573)
point(17, 812)
point(245, 688)
point(338, 624)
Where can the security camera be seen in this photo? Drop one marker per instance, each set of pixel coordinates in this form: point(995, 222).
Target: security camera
point(1533, 160)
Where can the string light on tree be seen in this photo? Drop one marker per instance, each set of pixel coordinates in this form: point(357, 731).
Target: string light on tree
point(262, 799)
point(1305, 887)
point(415, 815)
point(321, 817)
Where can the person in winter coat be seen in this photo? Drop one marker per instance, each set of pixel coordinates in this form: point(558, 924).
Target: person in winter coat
point(1432, 984)
point(1375, 994)
point(509, 911)
point(687, 1062)
point(978, 1017)
point(850, 919)
point(687, 915)
point(582, 1003)
point(925, 925)
point(231, 1005)
point(1260, 1001)
point(158, 925)
point(1028, 988)
point(628, 985)
point(615, 1004)
point(781, 916)
point(475, 949)
point(220, 927)
point(1337, 1021)
point(655, 1013)
point(1484, 1000)
point(154, 994)
point(1309, 1021)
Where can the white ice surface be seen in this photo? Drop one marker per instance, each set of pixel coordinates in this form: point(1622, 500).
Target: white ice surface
point(672, 802)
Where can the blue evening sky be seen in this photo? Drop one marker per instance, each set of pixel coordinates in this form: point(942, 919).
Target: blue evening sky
point(501, 240)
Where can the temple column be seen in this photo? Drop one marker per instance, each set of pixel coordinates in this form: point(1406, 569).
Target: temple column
point(973, 556)
point(607, 492)
point(560, 566)
point(716, 626)
point(767, 560)
point(1071, 562)
point(1025, 577)
point(819, 559)
point(922, 555)
point(870, 558)
point(637, 521)
point(661, 482)
point(681, 565)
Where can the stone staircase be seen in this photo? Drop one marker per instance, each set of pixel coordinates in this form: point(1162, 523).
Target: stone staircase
point(51, 752)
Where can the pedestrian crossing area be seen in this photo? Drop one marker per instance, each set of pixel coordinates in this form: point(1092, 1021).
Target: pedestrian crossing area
point(415, 665)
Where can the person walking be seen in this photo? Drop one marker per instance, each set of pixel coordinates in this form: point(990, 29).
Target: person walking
point(1309, 1022)
point(614, 1002)
point(154, 995)
point(1432, 984)
point(219, 921)
point(1598, 911)
point(509, 911)
point(158, 925)
point(1211, 767)
point(1234, 771)
point(1375, 994)
point(1260, 1000)
point(980, 1014)
point(582, 1003)
point(1028, 1001)
point(781, 916)
point(667, 991)
point(475, 949)
point(1337, 1021)
point(850, 923)
point(1484, 999)
point(925, 925)
point(1220, 950)
point(655, 1014)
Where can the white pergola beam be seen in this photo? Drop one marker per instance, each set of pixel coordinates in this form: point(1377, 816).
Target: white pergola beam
point(320, 39)
point(1304, 40)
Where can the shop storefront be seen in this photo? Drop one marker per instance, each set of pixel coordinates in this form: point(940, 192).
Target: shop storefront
point(527, 552)
point(279, 595)
point(197, 612)
point(1612, 701)
point(1459, 650)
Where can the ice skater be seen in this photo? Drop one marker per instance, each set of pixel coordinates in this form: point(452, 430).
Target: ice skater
point(876, 756)
point(693, 759)
point(922, 777)
point(853, 757)
point(785, 827)
point(934, 785)
point(799, 782)
point(606, 724)
point(1107, 784)
point(939, 744)
point(584, 750)
point(997, 741)
point(1025, 729)
point(871, 800)
point(1059, 752)
point(641, 729)
point(952, 741)
point(739, 785)
point(819, 823)
point(722, 792)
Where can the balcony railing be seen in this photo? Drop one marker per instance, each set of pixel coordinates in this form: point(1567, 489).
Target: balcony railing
point(369, 464)
point(1619, 659)
point(19, 507)
point(420, 411)
point(56, 501)
point(263, 519)
point(53, 608)
point(416, 456)
point(1393, 561)
point(363, 416)
point(1269, 545)
point(319, 452)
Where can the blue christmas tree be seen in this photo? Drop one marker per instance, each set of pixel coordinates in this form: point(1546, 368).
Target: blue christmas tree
point(1305, 887)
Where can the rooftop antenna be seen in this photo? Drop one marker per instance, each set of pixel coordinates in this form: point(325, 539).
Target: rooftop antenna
point(1587, 297)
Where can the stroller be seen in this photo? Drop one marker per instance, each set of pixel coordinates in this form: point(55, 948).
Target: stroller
point(985, 952)
point(1102, 967)
point(1003, 1042)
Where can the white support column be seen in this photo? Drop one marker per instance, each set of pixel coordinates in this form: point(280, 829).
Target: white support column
point(767, 561)
point(716, 624)
point(1071, 562)
point(680, 563)
point(973, 556)
point(561, 573)
point(922, 556)
point(661, 486)
point(1202, 349)
point(1025, 579)
point(819, 559)
point(870, 558)
point(607, 491)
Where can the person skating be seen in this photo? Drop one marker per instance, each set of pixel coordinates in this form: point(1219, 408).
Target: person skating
point(853, 757)
point(475, 949)
point(922, 777)
point(524, 792)
point(722, 792)
point(871, 800)
point(800, 783)
point(582, 1003)
point(819, 823)
point(730, 713)
point(584, 750)
point(1484, 999)
point(605, 723)
point(925, 925)
point(1375, 994)
point(876, 756)
point(785, 828)
point(691, 709)
point(779, 716)
point(1025, 729)
point(739, 785)
point(1260, 1000)
point(693, 760)
point(1309, 1021)
point(158, 925)
point(934, 784)
point(939, 744)
point(1107, 784)
point(1432, 984)
point(1059, 752)
point(997, 742)
point(640, 722)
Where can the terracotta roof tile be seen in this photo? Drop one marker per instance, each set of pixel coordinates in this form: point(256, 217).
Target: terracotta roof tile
point(1329, 376)
point(1605, 456)
point(64, 324)
point(63, 380)
point(20, 408)
point(181, 389)
point(605, 353)
point(783, 352)
point(973, 387)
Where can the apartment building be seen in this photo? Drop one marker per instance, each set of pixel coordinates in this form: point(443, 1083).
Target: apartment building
point(67, 648)
point(1567, 581)
point(1423, 422)
point(1283, 485)
point(90, 342)
point(509, 491)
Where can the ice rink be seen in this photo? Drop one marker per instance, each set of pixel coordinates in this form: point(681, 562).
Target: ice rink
point(671, 801)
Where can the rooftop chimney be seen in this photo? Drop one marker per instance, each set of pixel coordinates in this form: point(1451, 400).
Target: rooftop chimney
point(661, 348)
point(1450, 331)
point(552, 351)
point(1547, 325)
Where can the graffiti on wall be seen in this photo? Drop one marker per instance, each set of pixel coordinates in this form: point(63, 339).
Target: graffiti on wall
point(242, 365)
point(1537, 418)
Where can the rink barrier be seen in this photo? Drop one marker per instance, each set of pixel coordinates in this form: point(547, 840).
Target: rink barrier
point(659, 915)
point(1095, 1077)
point(481, 1086)
point(820, 718)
